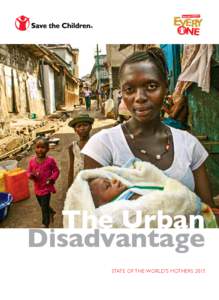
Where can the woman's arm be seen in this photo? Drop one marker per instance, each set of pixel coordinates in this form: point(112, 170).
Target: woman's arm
point(202, 185)
point(71, 165)
point(90, 163)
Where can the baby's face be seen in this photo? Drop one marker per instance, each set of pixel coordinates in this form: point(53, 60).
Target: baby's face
point(104, 190)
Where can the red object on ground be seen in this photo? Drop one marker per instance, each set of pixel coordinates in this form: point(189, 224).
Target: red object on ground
point(17, 185)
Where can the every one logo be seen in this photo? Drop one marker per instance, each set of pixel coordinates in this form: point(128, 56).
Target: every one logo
point(22, 23)
point(188, 24)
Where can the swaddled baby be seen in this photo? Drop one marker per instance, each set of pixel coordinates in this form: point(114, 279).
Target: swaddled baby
point(150, 187)
point(104, 190)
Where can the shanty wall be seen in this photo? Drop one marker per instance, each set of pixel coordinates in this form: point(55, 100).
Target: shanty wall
point(20, 85)
point(49, 89)
point(71, 93)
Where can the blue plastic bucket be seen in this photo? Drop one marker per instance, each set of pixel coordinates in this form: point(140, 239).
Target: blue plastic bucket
point(5, 202)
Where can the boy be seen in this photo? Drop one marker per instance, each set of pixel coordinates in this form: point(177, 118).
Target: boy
point(82, 125)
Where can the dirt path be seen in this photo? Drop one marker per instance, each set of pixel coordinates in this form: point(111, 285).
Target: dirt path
point(26, 213)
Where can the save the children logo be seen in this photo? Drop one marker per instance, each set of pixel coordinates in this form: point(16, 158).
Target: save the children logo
point(188, 24)
point(22, 23)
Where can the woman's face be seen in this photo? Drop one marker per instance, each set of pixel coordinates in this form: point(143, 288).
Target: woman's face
point(143, 90)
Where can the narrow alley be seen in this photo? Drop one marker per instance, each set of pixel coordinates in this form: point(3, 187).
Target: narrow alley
point(41, 88)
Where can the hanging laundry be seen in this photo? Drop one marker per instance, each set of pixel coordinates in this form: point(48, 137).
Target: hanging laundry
point(196, 65)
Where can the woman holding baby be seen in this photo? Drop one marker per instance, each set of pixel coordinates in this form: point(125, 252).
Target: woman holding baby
point(144, 86)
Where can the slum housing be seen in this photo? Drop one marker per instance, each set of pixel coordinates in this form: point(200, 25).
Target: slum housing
point(99, 74)
point(36, 80)
point(40, 79)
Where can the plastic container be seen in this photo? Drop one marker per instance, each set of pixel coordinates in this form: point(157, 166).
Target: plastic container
point(8, 164)
point(33, 116)
point(16, 183)
point(5, 202)
point(2, 180)
point(14, 171)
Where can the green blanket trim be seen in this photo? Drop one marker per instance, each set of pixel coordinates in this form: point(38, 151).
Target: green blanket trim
point(160, 188)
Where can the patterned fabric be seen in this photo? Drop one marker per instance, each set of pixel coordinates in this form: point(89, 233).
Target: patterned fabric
point(199, 69)
point(189, 53)
point(195, 67)
point(78, 158)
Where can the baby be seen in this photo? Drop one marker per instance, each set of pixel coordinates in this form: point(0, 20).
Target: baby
point(104, 190)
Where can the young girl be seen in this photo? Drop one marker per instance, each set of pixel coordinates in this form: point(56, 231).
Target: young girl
point(82, 125)
point(44, 172)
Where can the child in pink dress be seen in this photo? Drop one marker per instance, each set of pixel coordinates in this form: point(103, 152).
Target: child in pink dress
point(43, 171)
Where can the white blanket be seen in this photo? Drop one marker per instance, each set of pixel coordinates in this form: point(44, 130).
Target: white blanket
point(175, 199)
